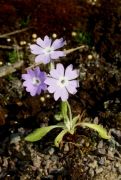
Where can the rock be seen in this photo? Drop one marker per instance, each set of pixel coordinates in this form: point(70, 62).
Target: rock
point(102, 161)
point(91, 172)
point(99, 170)
point(100, 145)
point(15, 138)
point(110, 154)
point(102, 151)
point(66, 147)
point(51, 151)
point(93, 165)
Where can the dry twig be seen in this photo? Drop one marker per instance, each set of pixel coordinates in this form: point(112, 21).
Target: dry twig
point(66, 51)
point(13, 33)
point(9, 47)
point(8, 69)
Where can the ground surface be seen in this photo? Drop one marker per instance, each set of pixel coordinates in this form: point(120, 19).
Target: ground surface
point(83, 156)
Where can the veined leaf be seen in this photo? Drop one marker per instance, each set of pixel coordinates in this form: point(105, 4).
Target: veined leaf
point(59, 138)
point(74, 120)
point(102, 131)
point(40, 133)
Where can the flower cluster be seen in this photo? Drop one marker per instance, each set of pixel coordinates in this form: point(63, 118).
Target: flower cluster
point(59, 81)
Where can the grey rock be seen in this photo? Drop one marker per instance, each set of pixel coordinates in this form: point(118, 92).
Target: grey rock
point(102, 161)
point(51, 151)
point(100, 145)
point(102, 151)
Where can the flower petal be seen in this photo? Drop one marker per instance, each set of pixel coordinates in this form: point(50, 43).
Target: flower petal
point(27, 84)
point(71, 89)
point(47, 41)
point(32, 91)
point(37, 71)
point(50, 81)
point(70, 73)
point(25, 76)
point(51, 89)
point(57, 54)
point(60, 69)
point(64, 94)
point(54, 73)
point(58, 43)
point(30, 72)
point(74, 83)
point(35, 49)
point(42, 58)
point(57, 94)
point(41, 43)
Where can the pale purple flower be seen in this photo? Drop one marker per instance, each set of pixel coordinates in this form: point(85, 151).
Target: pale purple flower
point(62, 81)
point(46, 50)
point(34, 81)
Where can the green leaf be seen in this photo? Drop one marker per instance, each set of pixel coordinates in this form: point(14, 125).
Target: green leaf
point(58, 116)
point(59, 138)
point(102, 131)
point(74, 120)
point(40, 133)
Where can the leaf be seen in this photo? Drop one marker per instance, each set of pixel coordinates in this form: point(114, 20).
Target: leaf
point(58, 117)
point(40, 133)
point(74, 120)
point(102, 131)
point(59, 138)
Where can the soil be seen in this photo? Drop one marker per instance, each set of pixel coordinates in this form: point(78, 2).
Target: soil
point(83, 156)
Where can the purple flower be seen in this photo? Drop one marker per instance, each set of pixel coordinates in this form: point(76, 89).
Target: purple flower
point(61, 82)
point(34, 81)
point(46, 50)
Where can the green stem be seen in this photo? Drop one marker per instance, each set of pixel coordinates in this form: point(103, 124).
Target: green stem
point(69, 109)
point(67, 114)
point(51, 65)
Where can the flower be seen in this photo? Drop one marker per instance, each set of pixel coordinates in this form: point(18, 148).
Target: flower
point(61, 82)
point(34, 81)
point(46, 50)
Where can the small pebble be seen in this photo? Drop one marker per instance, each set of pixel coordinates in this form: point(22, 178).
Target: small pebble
point(51, 151)
point(110, 154)
point(91, 172)
point(34, 35)
point(102, 161)
point(93, 164)
point(47, 157)
point(99, 170)
point(15, 139)
point(90, 57)
point(100, 145)
point(54, 158)
point(73, 33)
point(54, 35)
point(119, 169)
point(102, 151)
point(66, 147)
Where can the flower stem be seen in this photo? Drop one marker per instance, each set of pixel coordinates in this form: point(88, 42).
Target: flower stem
point(70, 114)
point(67, 114)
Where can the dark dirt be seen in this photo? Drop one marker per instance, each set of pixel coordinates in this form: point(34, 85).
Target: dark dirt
point(85, 155)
